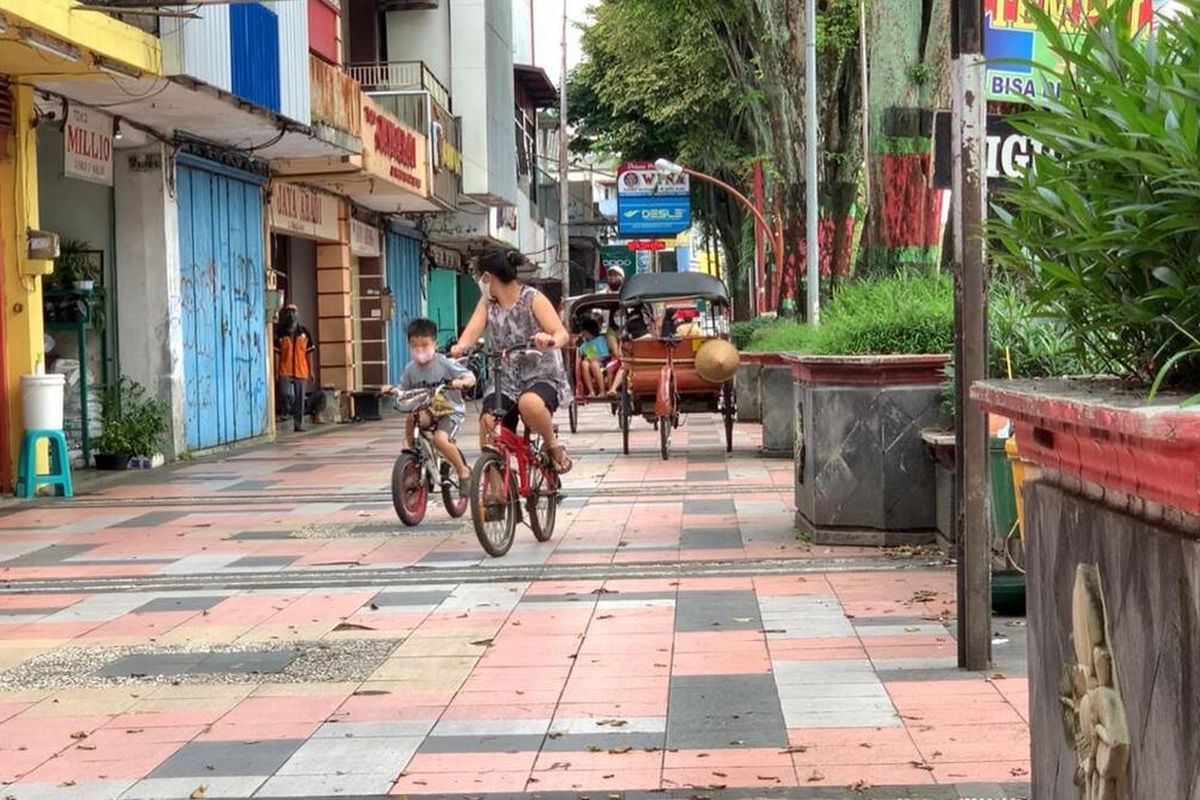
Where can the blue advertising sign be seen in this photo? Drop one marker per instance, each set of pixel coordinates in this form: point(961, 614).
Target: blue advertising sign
point(650, 203)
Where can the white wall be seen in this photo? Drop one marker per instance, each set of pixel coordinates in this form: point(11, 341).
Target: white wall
point(199, 47)
point(423, 36)
point(522, 31)
point(150, 309)
point(482, 78)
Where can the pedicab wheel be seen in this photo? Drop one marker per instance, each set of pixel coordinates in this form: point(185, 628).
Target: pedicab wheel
point(493, 505)
point(729, 412)
point(542, 504)
point(454, 496)
point(573, 416)
point(410, 495)
point(664, 436)
point(624, 414)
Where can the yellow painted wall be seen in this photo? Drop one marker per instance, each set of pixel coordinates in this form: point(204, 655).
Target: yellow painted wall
point(89, 30)
point(23, 332)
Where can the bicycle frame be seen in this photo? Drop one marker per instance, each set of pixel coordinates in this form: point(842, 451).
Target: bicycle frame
point(509, 444)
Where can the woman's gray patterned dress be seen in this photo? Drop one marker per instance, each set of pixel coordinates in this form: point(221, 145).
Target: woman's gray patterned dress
point(515, 327)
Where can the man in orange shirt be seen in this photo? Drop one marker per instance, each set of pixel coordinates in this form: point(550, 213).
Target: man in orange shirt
point(293, 348)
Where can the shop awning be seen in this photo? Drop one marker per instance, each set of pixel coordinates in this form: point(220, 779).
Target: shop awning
point(536, 84)
point(182, 106)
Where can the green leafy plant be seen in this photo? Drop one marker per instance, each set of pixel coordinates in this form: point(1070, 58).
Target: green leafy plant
point(74, 263)
point(1103, 227)
point(897, 314)
point(134, 423)
point(743, 332)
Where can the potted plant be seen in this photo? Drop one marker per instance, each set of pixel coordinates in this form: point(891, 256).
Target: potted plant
point(134, 426)
point(859, 390)
point(1103, 230)
point(75, 268)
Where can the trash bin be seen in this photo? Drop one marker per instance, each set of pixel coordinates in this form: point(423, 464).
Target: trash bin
point(42, 401)
point(1003, 500)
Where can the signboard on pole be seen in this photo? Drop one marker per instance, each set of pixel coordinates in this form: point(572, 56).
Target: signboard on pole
point(1009, 152)
point(653, 245)
point(88, 146)
point(650, 203)
point(617, 255)
point(1010, 34)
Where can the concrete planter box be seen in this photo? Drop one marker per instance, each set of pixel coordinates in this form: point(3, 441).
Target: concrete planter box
point(776, 404)
point(748, 389)
point(1112, 524)
point(942, 447)
point(863, 474)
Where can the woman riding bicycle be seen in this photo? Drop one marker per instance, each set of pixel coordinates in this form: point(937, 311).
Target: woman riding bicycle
point(533, 386)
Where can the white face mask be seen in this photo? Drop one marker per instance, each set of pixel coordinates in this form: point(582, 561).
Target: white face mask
point(423, 355)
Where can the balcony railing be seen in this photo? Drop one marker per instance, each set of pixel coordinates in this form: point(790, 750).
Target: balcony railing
point(400, 76)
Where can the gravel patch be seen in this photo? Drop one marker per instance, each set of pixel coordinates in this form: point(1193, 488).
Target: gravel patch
point(343, 660)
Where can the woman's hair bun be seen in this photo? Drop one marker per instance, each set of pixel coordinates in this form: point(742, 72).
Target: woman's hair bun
point(515, 258)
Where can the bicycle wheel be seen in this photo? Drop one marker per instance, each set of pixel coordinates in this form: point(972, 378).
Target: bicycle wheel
point(410, 495)
point(453, 496)
point(493, 505)
point(573, 416)
point(542, 504)
point(623, 414)
point(664, 436)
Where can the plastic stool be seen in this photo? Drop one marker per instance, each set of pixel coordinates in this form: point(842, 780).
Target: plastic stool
point(28, 479)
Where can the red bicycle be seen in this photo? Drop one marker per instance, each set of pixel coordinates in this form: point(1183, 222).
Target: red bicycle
point(512, 469)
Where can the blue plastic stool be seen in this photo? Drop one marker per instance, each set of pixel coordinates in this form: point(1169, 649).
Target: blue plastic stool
point(28, 479)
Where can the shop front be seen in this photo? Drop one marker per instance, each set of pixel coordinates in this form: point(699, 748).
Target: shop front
point(370, 328)
point(304, 222)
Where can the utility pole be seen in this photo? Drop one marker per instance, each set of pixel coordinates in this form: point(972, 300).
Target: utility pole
point(564, 173)
point(813, 314)
point(970, 335)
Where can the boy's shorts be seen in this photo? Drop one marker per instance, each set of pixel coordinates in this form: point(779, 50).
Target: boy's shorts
point(448, 424)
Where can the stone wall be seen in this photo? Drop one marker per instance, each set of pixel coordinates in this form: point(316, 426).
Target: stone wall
point(1150, 580)
point(778, 410)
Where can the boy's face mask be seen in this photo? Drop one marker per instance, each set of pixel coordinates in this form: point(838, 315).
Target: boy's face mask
point(423, 355)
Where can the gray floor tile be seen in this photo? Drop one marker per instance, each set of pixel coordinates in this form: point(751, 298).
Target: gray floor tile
point(710, 538)
point(159, 788)
point(267, 662)
point(152, 519)
point(262, 562)
point(149, 665)
point(185, 603)
point(256, 536)
point(483, 744)
point(420, 598)
point(581, 742)
point(203, 759)
point(329, 786)
point(48, 556)
point(709, 506)
point(249, 486)
point(717, 710)
point(359, 755)
point(717, 611)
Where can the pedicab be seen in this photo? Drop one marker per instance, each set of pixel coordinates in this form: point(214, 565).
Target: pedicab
point(600, 307)
point(671, 371)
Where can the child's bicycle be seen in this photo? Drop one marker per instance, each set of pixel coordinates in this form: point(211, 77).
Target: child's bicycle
point(512, 468)
point(420, 468)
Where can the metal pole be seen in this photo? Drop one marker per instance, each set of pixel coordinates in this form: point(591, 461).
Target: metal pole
point(810, 170)
point(866, 93)
point(564, 173)
point(758, 301)
point(970, 317)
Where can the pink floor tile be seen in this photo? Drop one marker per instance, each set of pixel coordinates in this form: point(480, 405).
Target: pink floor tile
point(749, 662)
point(470, 783)
point(269, 710)
point(985, 771)
point(731, 757)
point(255, 732)
point(481, 763)
point(465, 711)
point(594, 781)
point(867, 774)
point(722, 777)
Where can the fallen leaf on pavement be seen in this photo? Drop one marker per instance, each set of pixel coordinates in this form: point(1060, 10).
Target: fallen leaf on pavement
point(352, 626)
point(921, 765)
point(198, 792)
point(79, 735)
point(67, 783)
point(859, 786)
point(613, 723)
point(816, 775)
point(997, 677)
point(482, 643)
point(796, 748)
point(767, 778)
point(560, 765)
point(619, 751)
point(86, 747)
point(605, 616)
point(556, 734)
point(721, 774)
point(1018, 771)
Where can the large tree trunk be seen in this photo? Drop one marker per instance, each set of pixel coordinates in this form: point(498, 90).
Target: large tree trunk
point(908, 43)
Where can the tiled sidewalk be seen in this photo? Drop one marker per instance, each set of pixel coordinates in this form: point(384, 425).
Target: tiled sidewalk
point(697, 684)
point(547, 686)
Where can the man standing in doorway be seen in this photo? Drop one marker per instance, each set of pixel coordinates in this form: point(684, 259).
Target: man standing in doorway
point(293, 349)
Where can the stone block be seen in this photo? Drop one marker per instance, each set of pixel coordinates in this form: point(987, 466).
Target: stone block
point(776, 396)
point(748, 399)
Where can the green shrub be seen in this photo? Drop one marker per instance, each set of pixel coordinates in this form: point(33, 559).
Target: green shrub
point(897, 314)
point(1105, 228)
point(134, 424)
point(743, 332)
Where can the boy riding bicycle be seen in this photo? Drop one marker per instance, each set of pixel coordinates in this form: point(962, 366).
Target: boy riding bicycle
point(429, 369)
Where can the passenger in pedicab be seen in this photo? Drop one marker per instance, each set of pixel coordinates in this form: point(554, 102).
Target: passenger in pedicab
point(594, 355)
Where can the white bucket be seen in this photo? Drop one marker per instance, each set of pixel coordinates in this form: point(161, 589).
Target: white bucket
point(42, 398)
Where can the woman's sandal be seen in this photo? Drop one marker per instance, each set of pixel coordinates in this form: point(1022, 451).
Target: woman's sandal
point(559, 460)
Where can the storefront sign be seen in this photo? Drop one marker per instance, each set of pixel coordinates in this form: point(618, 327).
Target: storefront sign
point(651, 203)
point(1012, 42)
point(303, 212)
point(364, 240)
point(393, 150)
point(1010, 153)
point(88, 146)
point(617, 255)
point(648, 244)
